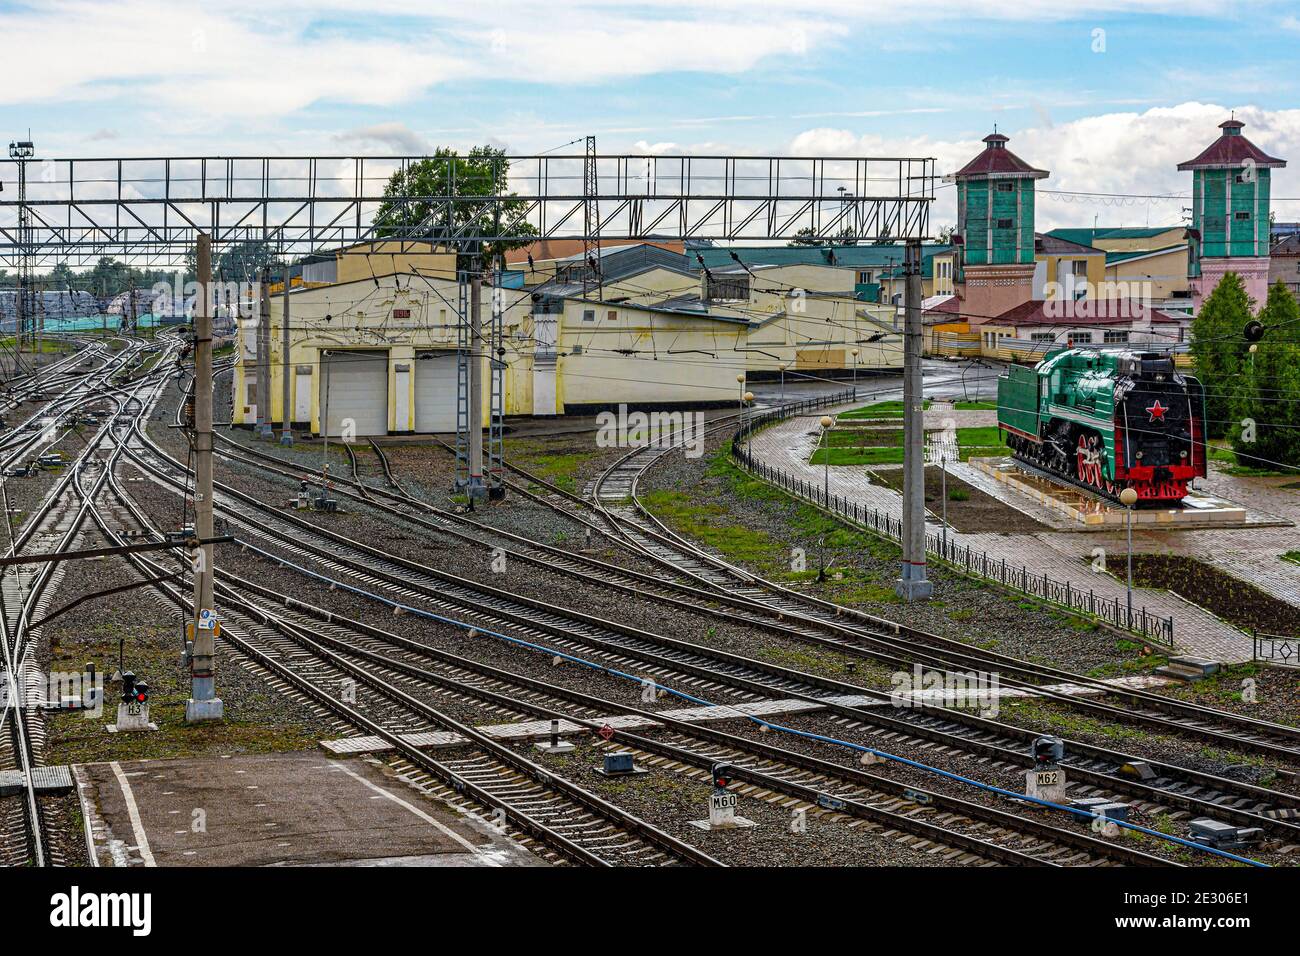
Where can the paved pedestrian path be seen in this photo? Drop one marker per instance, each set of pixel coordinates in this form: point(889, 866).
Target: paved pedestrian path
point(1251, 553)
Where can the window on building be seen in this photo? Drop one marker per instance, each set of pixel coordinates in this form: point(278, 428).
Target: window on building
point(589, 315)
point(1241, 216)
point(611, 315)
point(727, 287)
point(1115, 337)
point(1006, 187)
point(1081, 338)
point(1042, 337)
point(865, 277)
point(1004, 223)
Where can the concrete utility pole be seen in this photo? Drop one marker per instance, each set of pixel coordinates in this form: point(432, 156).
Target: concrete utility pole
point(476, 488)
point(912, 585)
point(259, 383)
point(264, 417)
point(286, 433)
point(203, 703)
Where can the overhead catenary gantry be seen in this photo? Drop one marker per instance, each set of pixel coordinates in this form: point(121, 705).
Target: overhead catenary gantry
point(149, 211)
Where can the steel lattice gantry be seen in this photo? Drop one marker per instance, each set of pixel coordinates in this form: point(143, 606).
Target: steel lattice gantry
point(149, 211)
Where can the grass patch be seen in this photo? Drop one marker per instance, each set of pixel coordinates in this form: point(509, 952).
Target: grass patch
point(864, 437)
point(982, 436)
point(711, 525)
point(1239, 465)
point(975, 406)
point(857, 456)
point(892, 409)
point(560, 469)
point(1292, 556)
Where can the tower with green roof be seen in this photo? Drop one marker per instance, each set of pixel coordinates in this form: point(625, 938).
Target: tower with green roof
point(1230, 214)
point(995, 230)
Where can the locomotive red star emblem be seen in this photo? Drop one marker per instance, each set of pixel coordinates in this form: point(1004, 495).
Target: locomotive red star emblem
point(1156, 411)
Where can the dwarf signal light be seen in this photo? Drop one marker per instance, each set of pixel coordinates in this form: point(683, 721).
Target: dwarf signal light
point(722, 774)
point(128, 686)
point(141, 692)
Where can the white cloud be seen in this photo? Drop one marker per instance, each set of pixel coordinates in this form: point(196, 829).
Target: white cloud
point(396, 138)
point(1128, 152)
point(252, 58)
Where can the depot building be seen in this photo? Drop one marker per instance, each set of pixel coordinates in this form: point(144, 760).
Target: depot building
point(374, 337)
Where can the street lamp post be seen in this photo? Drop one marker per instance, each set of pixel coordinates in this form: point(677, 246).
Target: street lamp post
point(740, 380)
point(826, 423)
point(748, 399)
point(943, 493)
point(1128, 498)
point(854, 353)
point(784, 366)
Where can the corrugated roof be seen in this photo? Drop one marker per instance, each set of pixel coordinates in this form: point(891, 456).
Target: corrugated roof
point(1089, 236)
point(998, 161)
point(1086, 313)
point(1049, 244)
point(849, 257)
point(1232, 150)
point(1112, 257)
point(1290, 246)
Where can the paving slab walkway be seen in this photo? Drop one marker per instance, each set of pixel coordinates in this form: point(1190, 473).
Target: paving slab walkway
point(1249, 553)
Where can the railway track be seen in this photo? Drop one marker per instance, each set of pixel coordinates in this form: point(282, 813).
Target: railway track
point(613, 497)
point(1179, 790)
point(748, 680)
point(978, 831)
point(24, 590)
point(578, 825)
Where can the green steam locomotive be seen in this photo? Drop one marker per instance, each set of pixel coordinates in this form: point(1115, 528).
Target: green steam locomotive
point(1107, 420)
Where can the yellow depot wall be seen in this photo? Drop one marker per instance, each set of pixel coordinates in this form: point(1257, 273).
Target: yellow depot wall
point(638, 355)
point(814, 332)
point(359, 316)
point(1095, 276)
point(356, 263)
point(1169, 237)
point(1166, 272)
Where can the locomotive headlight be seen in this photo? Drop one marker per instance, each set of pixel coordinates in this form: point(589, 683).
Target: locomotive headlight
point(1139, 454)
point(1182, 454)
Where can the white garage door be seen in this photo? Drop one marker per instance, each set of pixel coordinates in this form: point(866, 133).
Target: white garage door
point(355, 386)
point(435, 392)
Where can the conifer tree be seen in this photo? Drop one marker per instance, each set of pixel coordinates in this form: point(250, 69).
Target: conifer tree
point(1218, 346)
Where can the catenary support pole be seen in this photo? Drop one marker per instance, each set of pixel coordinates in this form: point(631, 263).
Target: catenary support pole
point(261, 396)
point(265, 416)
point(203, 703)
point(476, 488)
point(286, 390)
point(912, 584)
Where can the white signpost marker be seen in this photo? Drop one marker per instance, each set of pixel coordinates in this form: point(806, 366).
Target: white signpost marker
point(722, 813)
point(1046, 784)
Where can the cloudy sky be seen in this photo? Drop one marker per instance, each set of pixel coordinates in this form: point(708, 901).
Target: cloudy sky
point(1107, 94)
